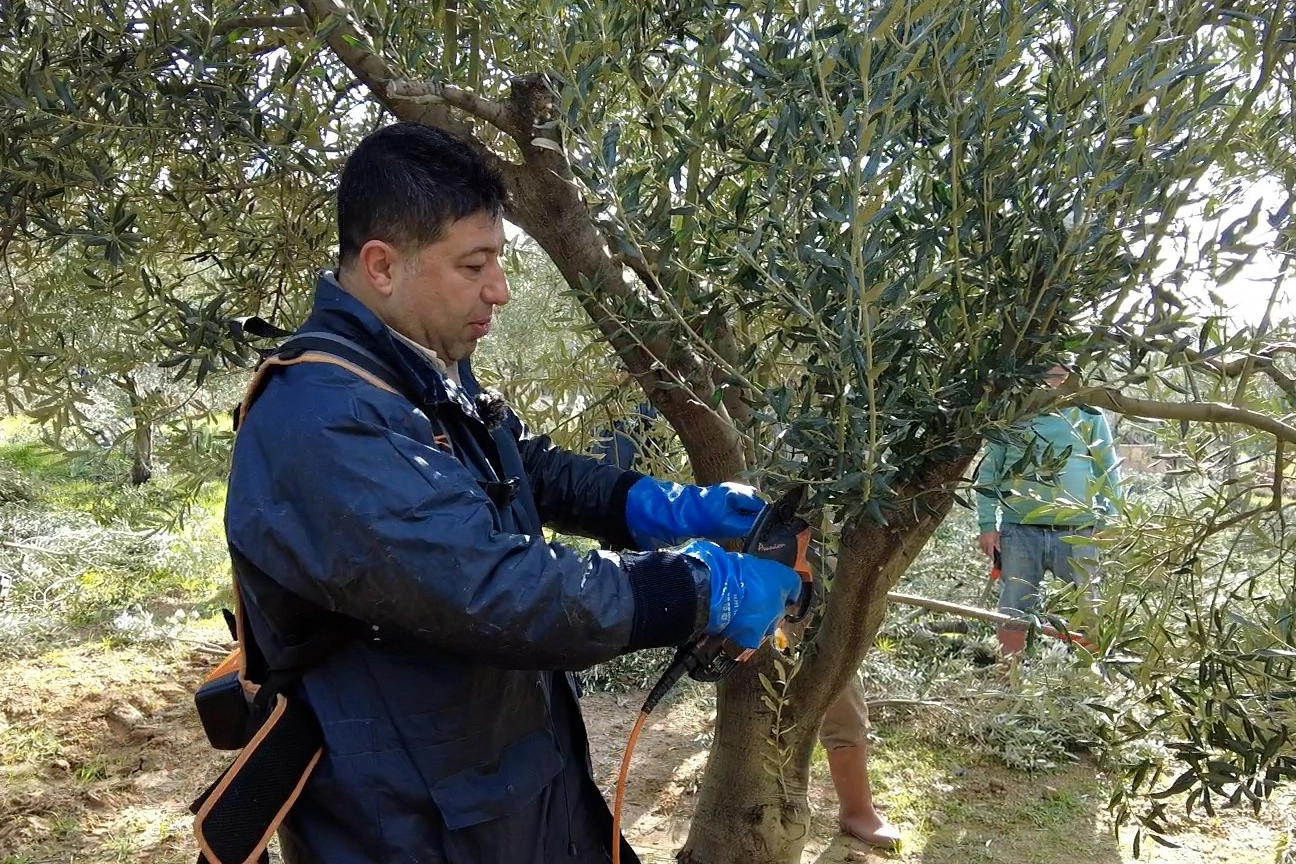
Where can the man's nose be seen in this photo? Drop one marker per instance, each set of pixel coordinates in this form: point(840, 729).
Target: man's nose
point(497, 289)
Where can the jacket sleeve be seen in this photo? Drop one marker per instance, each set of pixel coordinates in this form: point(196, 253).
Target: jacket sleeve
point(372, 524)
point(576, 494)
point(989, 478)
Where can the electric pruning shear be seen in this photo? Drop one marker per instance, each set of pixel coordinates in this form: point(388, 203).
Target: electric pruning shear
point(782, 534)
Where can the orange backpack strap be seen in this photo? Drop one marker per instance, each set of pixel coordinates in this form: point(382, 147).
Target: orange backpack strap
point(274, 362)
point(309, 347)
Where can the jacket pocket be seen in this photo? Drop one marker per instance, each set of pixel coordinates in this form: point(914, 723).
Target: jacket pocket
point(487, 792)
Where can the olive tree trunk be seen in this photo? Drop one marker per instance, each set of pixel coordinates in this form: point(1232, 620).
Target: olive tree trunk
point(141, 433)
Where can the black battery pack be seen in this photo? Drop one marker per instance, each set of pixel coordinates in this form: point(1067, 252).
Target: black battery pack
point(225, 712)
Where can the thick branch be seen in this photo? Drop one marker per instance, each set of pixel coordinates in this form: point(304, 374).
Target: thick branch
point(547, 204)
point(493, 113)
point(871, 559)
point(1196, 412)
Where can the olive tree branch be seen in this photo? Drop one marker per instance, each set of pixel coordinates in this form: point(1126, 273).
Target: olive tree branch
point(1195, 412)
point(434, 92)
point(351, 45)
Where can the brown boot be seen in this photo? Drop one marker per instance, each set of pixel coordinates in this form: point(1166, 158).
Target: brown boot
point(857, 816)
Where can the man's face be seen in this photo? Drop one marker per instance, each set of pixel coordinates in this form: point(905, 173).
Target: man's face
point(444, 295)
point(1056, 376)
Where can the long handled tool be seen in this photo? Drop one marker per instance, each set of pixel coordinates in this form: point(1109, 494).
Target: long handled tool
point(1006, 621)
point(780, 534)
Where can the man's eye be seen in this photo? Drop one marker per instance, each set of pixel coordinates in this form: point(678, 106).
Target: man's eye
point(476, 268)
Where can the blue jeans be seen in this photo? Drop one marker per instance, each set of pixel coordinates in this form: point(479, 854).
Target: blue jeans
point(1026, 551)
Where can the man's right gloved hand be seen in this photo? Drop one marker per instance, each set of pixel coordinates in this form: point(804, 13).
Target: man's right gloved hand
point(748, 594)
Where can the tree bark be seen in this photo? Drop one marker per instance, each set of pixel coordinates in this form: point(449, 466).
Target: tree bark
point(141, 434)
point(142, 462)
point(753, 807)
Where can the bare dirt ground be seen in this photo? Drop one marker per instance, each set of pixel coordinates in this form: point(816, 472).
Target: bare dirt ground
point(100, 754)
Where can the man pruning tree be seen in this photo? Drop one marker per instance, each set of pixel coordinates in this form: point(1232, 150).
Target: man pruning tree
point(378, 496)
point(1040, 495)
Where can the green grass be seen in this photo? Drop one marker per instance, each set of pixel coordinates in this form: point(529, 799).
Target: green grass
point(952, 802)
point(1056, 807)
point(94, 769)
point(32, 457)
point(34, 745)
point(64, 826)
point(905, 768)
point(63, 479)
point(114, 548)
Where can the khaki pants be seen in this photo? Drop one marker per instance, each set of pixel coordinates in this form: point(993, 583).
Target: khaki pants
point(846, 723)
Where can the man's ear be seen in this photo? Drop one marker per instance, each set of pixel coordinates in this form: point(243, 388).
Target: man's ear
point(377, 263)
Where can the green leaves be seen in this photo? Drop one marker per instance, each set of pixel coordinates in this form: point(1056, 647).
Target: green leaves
point(147, 167)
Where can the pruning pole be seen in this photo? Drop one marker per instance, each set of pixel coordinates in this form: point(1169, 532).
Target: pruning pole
point(958, 609)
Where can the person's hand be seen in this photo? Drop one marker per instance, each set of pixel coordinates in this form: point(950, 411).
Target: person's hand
point(989, 541)
point(663, 514)
point(749, 595)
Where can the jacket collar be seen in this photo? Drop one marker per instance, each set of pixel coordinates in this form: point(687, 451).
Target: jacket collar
point(336, 311)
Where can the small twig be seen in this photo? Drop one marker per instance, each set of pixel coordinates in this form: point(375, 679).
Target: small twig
point(186, 641)
point(904, 703)
point(27, 547)
point(1264, 361)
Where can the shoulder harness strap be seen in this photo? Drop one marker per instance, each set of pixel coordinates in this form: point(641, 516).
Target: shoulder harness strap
point(318, 347)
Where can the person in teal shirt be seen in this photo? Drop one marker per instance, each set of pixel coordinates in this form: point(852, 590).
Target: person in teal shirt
point(1040, 496)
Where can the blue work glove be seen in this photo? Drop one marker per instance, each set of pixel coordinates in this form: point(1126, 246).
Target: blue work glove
point(662, 514)
point(749, 595)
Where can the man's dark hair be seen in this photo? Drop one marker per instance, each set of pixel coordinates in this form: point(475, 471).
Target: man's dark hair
point(406, 183)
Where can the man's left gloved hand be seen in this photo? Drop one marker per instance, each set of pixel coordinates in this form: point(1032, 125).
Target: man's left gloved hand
point(663, 514)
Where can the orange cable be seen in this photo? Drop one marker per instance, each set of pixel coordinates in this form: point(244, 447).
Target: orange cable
point(621, 786)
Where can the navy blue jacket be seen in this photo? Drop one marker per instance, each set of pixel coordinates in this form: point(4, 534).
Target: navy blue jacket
point(450, 721)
